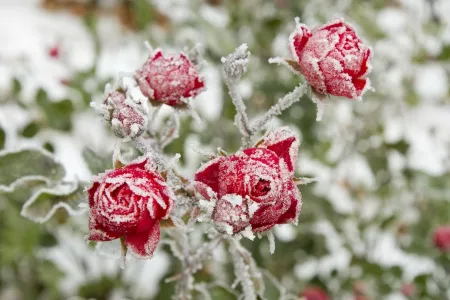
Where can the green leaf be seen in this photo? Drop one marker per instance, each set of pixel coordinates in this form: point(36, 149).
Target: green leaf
point(27, 164)
point(2, 138)
point(17, 87)
point(47, 201)
point(30, 130)
point(445, 53)
point(96, 163)
point(58, 114)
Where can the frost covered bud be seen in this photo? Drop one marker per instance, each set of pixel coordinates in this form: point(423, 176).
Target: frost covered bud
point(235, 64)
point(332, 58)
point(254, 187)
point(314, 293)
point(441, 238)
point(128, 203)
point(128, 118)
point(169, 80)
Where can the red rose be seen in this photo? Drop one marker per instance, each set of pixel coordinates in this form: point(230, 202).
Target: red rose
point(332, 58)
point(255, 186)
point(129, 202)
point(441, 238)
point(314, 293)
point(127, 117)
point(169, 80)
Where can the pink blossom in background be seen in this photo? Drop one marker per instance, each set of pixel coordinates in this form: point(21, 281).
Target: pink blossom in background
point(332, 58)
point(129, 203)
point(169, 80)
point(254, 187)
point(408, 289)
point(314, 293)
point(441, 238)
point(54, 52)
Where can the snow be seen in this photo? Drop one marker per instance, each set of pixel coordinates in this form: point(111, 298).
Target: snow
point(431, 82)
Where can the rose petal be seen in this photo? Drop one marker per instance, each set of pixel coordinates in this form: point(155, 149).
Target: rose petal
point(291, 215)
point(143, 242)
point(284, 142)
point(205, 190)
point(209, 174)
point(98, 233)
point(298, 39)
point(266, 216)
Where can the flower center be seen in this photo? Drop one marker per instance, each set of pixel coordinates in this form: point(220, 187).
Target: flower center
point(261, 188)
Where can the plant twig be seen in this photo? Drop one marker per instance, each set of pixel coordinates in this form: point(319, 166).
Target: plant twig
point(282, 104)
point(234, 66)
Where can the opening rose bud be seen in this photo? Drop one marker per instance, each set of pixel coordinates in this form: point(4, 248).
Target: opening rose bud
point(254, 187)
point(127, 117)
point(332, 58)
point(169, 80)
point(128, 203)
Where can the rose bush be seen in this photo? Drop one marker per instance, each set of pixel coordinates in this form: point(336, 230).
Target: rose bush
point(254, 187)
point(128, 203)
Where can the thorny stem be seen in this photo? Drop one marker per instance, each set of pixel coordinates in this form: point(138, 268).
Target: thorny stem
point(234, 66)
point(241, 114)
point(282, 104)
point(191, 264)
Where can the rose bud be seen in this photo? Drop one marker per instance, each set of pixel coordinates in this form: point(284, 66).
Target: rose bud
point(441, 238)
point(332, 58)
point(263, 178)
point(127, 117)
point(128, 203)
point(314, 293)
point(169, 80)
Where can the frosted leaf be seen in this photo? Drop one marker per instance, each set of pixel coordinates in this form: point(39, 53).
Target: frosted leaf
point(46, 201)
point(28, 164)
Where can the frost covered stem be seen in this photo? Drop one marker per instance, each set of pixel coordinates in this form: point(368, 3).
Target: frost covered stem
point(241, 270)
point(282, 104)
point(234, 65)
